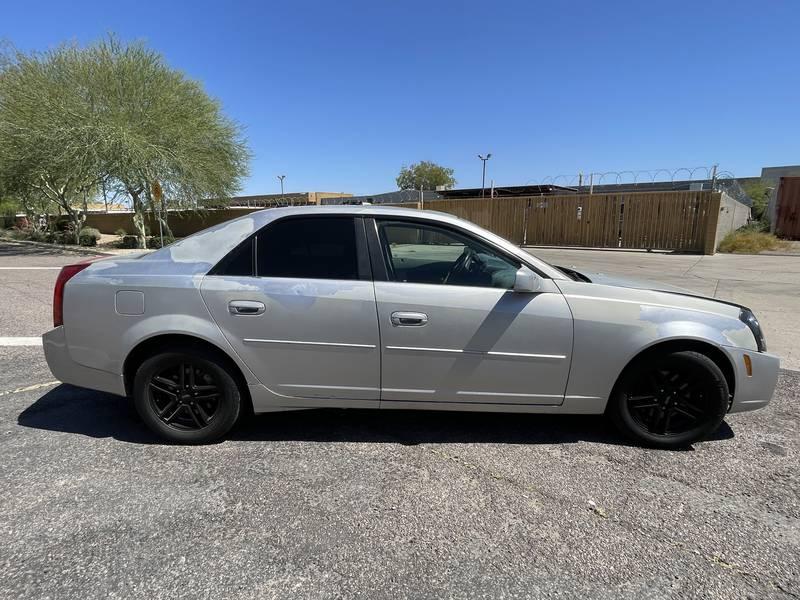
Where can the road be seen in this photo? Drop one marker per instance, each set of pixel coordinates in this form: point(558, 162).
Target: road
point(377, 505)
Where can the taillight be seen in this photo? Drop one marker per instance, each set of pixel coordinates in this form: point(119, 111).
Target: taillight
point(67, 273)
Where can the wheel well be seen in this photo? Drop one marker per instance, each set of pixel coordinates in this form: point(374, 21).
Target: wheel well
point(709, 350)
point(159, 343)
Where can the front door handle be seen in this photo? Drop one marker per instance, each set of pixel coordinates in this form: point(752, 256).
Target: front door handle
point(246, 307)
point(409, 319)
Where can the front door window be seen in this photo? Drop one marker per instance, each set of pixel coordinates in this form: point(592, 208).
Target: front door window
point(418, 253)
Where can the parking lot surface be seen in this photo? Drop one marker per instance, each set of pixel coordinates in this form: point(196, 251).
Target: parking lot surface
point(376, 504)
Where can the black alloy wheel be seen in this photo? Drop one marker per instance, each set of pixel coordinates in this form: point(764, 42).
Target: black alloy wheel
point(187, 395)
point(671, 400)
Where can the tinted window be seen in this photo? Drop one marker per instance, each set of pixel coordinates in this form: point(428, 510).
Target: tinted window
point(417, 253)
point(312, 248)
point(239, 262)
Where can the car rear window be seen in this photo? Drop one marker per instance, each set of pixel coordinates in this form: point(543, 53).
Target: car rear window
point(238, 263)
point(308, 247)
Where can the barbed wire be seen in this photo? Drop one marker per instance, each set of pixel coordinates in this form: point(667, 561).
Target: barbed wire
point(711, 176)
point(634, 177)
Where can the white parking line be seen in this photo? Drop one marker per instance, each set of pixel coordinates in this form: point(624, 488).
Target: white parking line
point(29, 268)
point(20, 341)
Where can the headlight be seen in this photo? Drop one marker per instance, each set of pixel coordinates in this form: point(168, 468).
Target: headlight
point(748, 318)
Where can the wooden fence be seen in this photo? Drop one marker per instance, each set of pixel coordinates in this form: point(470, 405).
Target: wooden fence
point(679, 220)
point(182, 222)
point(787, 222)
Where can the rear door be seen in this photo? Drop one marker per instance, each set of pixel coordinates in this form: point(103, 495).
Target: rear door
point(297, 303)
point(452, 328)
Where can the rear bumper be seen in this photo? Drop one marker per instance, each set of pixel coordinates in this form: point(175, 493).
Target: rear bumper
point(67, 370)
point(753, 392)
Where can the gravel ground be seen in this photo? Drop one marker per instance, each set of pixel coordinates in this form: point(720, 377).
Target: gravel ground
point(382, 504)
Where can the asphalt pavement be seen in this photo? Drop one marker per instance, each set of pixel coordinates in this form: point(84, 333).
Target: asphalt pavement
point(332, 504)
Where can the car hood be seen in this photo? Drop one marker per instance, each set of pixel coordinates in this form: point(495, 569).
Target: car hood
point(645, 284)
point(639, 284)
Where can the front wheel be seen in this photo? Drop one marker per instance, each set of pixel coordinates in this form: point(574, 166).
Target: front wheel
point(186, 396)
point(670, 400)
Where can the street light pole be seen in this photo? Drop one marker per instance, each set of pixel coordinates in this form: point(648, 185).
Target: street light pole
point(281, 177)
point(483, 179)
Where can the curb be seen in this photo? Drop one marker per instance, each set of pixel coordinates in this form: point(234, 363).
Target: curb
point(62, 247)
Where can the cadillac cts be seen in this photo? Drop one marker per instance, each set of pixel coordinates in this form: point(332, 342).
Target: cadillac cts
point(370, 307)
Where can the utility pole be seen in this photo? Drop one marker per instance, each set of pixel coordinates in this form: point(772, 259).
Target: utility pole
point(281, 177)
point(483, 179)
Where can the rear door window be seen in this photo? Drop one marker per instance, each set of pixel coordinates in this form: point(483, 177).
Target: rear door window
point(308, 248)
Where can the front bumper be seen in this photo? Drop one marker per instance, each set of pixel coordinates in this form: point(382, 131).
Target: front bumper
point(67, 370)
point(753, 391)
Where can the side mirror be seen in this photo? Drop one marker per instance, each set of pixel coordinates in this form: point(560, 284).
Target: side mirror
point(526, 281)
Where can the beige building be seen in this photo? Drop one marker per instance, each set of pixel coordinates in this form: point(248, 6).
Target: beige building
point(288, 198)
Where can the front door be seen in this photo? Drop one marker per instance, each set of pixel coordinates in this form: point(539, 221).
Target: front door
point(299, 309)
point(452, 329)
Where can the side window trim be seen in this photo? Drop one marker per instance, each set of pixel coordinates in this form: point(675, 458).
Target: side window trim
point(362, 252)
point(379, 272)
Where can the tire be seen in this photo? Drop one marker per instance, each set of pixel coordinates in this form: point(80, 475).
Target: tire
point(187, 396)
point(670, 400)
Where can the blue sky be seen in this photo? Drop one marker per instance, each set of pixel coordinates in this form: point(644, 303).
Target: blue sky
point(339, 95)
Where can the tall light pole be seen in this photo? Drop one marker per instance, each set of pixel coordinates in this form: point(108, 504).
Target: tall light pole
point(281, 177)
point(483, 179)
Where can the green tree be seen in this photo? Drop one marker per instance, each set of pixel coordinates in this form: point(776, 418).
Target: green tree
point(47, 144)
point(759, 194)
point(115, 116)
point(170, 142)
point(425, 175)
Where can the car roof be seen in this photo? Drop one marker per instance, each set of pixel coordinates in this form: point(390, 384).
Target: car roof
point(353, 209)
point(207, 247)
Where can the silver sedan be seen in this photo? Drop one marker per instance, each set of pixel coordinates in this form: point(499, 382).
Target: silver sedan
point(369, 307)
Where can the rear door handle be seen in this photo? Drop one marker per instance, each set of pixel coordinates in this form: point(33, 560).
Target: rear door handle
point(246, 307)
point(409, 319)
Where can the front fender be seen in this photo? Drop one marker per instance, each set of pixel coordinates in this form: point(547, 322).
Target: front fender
point(614, 325)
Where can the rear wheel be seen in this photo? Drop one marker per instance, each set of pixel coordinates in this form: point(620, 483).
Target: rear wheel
point(670, 400)
point(186, 396)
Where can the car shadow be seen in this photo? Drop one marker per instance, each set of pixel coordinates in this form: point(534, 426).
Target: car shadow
point(76, 410)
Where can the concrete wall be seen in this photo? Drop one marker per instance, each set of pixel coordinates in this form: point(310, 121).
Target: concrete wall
point(732, 215)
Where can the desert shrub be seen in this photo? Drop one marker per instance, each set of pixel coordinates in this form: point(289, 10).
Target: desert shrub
point(155, 241)
point(755, 226)
point(749, 240)
point(89, 236)
point(62, 237)
point(128, 241)
point(15, 233)
point(36, 235)
point(121, 232)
